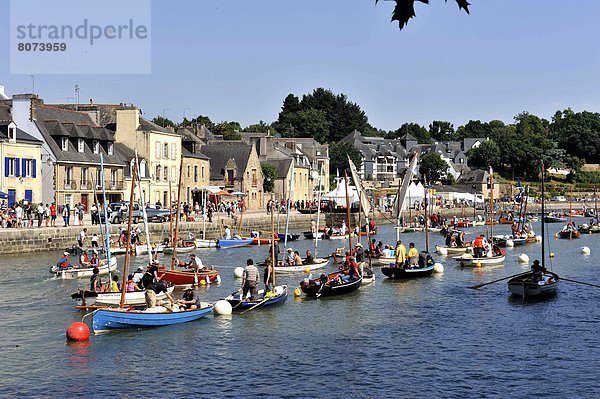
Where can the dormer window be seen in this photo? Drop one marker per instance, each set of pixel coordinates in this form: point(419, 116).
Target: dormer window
point(80, 145)
point(96, 146)
point(65, 144)
point(12, 133)
point(111, 149)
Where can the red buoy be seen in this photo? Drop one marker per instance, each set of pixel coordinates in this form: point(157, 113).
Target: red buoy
point(78, 331)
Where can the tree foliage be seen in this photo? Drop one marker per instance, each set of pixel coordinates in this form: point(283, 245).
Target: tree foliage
point(485, 155)
point(433, 167)
point(164, 122)
point(441, 131)
point(405, 10)
point(229, 130)
point(260, 127)
point(414, 129)
point(578, 133)
point(323, 115)
point(338, 157)
point(270, 173)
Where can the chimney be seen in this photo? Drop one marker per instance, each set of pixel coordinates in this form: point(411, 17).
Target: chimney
point(3, 95)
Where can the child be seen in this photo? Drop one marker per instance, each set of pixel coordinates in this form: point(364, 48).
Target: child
point(95, 241)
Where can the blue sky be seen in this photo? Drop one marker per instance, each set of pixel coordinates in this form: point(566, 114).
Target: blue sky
point(238, 59)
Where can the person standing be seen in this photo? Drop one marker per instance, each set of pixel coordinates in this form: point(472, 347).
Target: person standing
point(53, 215)
point(400, 252)
point(19, 215)
point(94, 214)
point(268, 276)
point(250, 279)
point(81, 237)
point(413, 255)
point(40, 214)
point(47, 214)
point(76, 212)
point(66, 212)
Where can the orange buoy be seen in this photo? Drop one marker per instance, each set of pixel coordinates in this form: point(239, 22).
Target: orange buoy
point(78, 331)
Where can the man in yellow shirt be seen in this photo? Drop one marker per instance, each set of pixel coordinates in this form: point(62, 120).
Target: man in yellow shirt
point(400, 252)
point(413, 255)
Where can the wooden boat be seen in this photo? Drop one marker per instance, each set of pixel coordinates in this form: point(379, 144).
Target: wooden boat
point(464, 223)
point(454, 250)
point(479, 223)
point(308, 211)
point(233, 242)
point(399, 273)
point(468, 260)
point(200, 243)
point(382, 260)
point(238, 303)
point(554, 219)
point(84, 272)
point(367, 273)
point(104, 320)
point(188, 277)
point(135, 298)
point(318, 263)
point(188, 246)
point(290, 237)
point(506, 221)
point(569, 233)
point(309, 235)
point(490, 222)
point(501, 240)
point(526, 286)
point(262, 241)
point(587, 229)
point(329, 285)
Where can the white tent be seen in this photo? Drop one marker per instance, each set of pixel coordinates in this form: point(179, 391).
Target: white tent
point(339, 193)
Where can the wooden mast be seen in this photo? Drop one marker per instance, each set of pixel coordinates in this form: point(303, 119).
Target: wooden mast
point(348, 211)
point(543, 220)
point(427, 217)
point(272, 249)
point(493, 207)
point(170, 216)
point(318, 210)
point(175, 238)
point(128, 243)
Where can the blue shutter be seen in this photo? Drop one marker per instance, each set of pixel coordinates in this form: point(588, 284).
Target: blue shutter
point(34, 169)
point(29, 195)
point(23, 167)
point(17, 167)
point(6, 166)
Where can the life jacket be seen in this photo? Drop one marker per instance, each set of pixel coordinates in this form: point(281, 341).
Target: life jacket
point(478, 242)
point(63, 263)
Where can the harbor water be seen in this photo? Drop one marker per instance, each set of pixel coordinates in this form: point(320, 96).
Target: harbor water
point(426, 338)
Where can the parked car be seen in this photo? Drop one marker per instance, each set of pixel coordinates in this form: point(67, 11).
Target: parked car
point(118, 212)
point(559, 198)
point(157, 215)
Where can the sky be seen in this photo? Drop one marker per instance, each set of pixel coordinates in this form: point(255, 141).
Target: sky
point(238, 59)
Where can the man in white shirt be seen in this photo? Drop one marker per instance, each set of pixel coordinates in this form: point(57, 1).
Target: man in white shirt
point(40, 214)
point(343, 229)
point(81, 237)
point(227, 235)
point(19, 215)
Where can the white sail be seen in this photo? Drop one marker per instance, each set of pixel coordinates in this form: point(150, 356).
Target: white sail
point(403, 188)
point(364, 201)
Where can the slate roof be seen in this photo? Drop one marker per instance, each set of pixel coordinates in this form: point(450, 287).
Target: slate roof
point(188, 136)
point(468, 142)
point(371, 147)
point(56, 123)
point(475, 176)
point(5, 115)
point(221, 152)
point(21, 135)
point(282, 166)
point(127, 154)
point(146, 125)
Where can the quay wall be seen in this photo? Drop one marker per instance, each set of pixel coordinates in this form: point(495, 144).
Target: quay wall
point(13, 241)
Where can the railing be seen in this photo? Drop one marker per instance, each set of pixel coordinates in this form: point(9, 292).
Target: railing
point(85, 185)
point(70, 185)
point(115, 185)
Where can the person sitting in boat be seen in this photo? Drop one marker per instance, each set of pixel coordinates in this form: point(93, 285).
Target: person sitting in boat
point(84, 259)
point(63, 263)
point(190, 300)
point(297, 259)
point(290, 257)
point(137, 277)
point(372, 225)
point(387, 252)
point(94, 261)
point(114, 284)
point(515, 230)
point(413, 255)
point(309, 258)
point(95, 282)
point(379, 249)
point(254, 234)
point(460, 239)
point(478, 246)
point(154, 289)
point(350, 271)
point(250, 279)
point(400, 252)
point(359, 252)
point(373, 249)
point(537, 271)
point(227, 235)
point(425, 259)
point(131, 285)
point(449, 237)
point(356, 231)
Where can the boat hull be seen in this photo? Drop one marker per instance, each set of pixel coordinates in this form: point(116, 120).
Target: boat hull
point(135, 298)
point(525, 287)
point(187, 277)
point(233, 243)
point(477, 262)
point(104, 320)
point(74, 273)
point(315, 288)
point(569, 234)
point(398, 273)
point(319, 263)
point(238, 303)
point(188, 247)
point(206, 243)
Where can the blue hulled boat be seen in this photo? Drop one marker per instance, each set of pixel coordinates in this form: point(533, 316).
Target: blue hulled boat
point(239, 303)
point(233, 242)
point(104, 320)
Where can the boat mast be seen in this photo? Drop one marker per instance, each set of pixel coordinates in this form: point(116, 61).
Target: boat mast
point(427, 217)
point(289, 203)
point(143, 206)
point(318, 209)
point(94, 182)
point(175, 237)
point(348, 211)
point(204, 213)
point(105, 211)
point(492, 205)
point(543, 219)
point(272, 249)
point(595, 205)
point(170, 216)
point(570, 209)
point(128, 243)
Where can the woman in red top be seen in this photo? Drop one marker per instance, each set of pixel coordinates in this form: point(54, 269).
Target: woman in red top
point(53, 215)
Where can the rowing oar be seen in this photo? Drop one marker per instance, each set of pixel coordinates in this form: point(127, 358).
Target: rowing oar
point(579, 282)
point(475, 287)
point(257, 305)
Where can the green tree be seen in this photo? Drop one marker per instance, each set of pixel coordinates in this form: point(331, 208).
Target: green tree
point(202, 120)
point(405, 10)
point(270, 174)
point(260, 127)
point(577, 133)
point(487, 154)
point(433, 167)
point(473, 129)
point(414, 129)
point(229, 130)
point(164, 122)
point(338, 157)
point(441, 130)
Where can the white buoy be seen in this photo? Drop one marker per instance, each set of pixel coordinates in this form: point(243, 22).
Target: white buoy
point(538, 238)
point(442, 250)
point(510, 243)
point(223, 307)
point(218, 279)
point(438, 268)
point(585, 250)
point(238, 272)
point(523, 258)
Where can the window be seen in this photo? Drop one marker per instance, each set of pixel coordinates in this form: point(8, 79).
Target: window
point(157, 146)
point(142, 170)
point(202, 173)
point(189, 171)
point(157, 173)
point(254, 180)
point(96, 147)
point(111, 149)
point(80, 145)
point(173, 173)
point(68, 174)
point(10, 165)
point(65, 144)
point(165, 173)
point(195, 173)
point(114, 174)
point(12, 133)
point(69, 200)
point(165, 154)
point(98, 178)
point(173, 151)
point(84, 176)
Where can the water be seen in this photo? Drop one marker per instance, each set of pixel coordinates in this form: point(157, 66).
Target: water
point(426, 338)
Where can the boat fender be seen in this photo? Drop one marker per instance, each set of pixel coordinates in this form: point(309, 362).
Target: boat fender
point(223, 307)
point(238, 272)
point(523, 258)
point(218, 279)
point(438, 268)
point(207, 280)
point(585, 250)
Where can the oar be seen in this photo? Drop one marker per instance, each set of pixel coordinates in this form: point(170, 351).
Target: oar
point(475, 287)
point(579, 282)
point(258, 304)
